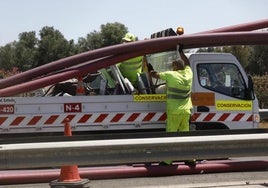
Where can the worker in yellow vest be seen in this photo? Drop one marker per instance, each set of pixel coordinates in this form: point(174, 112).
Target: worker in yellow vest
point(178, 90)
point(131, 67)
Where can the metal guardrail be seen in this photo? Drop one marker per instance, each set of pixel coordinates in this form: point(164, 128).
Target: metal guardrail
point(263, 114)
point(123, 151)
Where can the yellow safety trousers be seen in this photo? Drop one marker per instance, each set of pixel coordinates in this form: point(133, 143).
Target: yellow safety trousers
point(178, 122)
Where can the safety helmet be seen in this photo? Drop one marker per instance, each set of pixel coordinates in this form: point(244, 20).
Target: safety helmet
point(129, 37)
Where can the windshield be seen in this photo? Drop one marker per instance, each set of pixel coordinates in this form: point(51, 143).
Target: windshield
point(223, 78)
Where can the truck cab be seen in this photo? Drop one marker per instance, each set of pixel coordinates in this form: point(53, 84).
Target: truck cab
point(223, 94)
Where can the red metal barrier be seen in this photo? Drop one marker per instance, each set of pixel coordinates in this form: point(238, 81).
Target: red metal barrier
point(111, 172)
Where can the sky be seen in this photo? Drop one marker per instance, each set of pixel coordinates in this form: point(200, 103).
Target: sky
point(77, 18)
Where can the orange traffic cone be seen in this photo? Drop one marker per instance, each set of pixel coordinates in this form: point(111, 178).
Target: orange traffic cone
point(69, 175)
point(80, 90)
point(67, 128)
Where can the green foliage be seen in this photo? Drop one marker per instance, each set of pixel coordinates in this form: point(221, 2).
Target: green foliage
point(258, 61)
point(242, 53)
point(8, 56)
point(92, 41)
point(21, 54)
point(26, 51)
point(29, 51)
point(112, 33)
point(52, 46)
point(261, 89)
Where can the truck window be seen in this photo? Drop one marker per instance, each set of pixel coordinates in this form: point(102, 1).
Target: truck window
point(224, 78)
point(162, 62)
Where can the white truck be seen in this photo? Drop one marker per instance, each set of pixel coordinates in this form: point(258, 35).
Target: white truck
point(222, 92)
point(222, 96)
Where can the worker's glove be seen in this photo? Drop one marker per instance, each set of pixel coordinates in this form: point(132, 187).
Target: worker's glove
point(180, 48)
point(153, 73)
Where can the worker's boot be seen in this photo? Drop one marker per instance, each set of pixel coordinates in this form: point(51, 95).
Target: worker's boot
point(165, 163)
point(190, 163)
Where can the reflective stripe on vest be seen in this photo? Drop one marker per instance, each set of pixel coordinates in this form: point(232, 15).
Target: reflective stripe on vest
point(178, 93)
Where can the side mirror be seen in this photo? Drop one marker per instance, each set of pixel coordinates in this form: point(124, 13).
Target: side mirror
point(249, 92)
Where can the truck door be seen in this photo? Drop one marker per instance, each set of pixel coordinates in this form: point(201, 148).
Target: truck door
point(221, 96)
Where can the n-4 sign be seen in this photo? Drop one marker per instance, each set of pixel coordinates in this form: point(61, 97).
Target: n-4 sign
point(72, 107)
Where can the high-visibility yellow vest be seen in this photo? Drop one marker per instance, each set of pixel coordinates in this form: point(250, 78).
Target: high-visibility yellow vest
point(178, 84)
point(130, 68)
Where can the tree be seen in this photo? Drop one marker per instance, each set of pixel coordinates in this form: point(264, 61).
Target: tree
point(112, 33)
point(53, 46)
point(26, 51)
point(8, 56)
point(241, 52)
point(91, 42)
point(258, 60)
